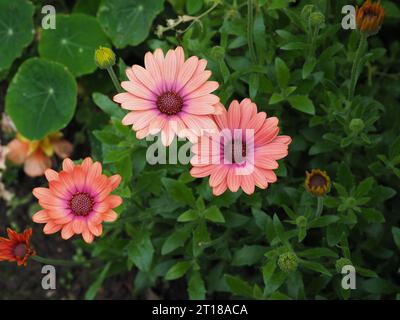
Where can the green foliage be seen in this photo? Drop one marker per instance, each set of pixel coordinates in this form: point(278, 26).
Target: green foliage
point(75, 47)
point(117, 17)
point(16, 29)
point(41, 98)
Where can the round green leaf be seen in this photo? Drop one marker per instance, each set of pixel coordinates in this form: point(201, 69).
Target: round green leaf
point(41, 98)
point(16, 29)
point(73, 42)
point(128, 22)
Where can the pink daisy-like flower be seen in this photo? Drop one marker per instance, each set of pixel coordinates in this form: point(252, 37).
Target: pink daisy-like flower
point(78, 200)
point(171, 95)
point(243, 153)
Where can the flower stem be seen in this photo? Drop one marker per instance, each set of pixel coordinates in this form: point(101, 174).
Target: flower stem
point(320, 206)
point(250, 27)
point(114, 79)
point(356, 66)
point(56, 262)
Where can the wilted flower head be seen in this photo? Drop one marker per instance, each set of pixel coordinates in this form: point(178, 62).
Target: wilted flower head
point(242, 153)
point(17, 247)
point(3, 153)
point(104, 57)
point(7, 125)
point(369, 17)
point(170, 95)
point(78, 200)
point(317, 182)
point(36, 155)
point(287, 262)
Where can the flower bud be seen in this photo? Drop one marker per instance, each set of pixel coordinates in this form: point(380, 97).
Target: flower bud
point(357, 125)
point(306, 12)
point(104, 57)
point(301, 222)
point(287, 262)
point(317, 19)
point(369, 17)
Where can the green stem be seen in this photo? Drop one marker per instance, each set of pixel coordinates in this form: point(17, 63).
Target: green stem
point(114, 79)
point(320, 206)
point(56, 262)
point(250, 26)
point(356, 66)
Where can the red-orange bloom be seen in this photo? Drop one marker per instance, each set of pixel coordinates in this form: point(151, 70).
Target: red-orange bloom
point(78, 200)
point(16, 247)
point(369, 17)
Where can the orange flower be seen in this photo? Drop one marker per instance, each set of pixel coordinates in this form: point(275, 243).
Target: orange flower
point(36, 155)
point(369, 17)
point(16, 247)
point(78, 200)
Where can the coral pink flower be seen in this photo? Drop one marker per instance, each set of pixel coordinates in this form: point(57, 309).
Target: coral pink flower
point(170, 95)
point(78, 200)
point(244, 152)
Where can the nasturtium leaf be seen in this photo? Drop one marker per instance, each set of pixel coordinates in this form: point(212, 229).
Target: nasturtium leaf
point(41, 98)
point(302, 103)
point(16, 29)
point(73, 42)
point(128, 22)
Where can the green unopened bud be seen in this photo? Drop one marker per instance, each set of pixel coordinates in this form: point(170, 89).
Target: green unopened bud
point(317, 18)
point(357, 125)
point(340, 263)
point(287, 262)
point(218, 53)
point(104, 57)
point(301, 222)
point(306, 11)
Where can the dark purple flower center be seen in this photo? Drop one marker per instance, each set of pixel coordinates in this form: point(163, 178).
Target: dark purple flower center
point(169, 103)
point(81, 204)
point(20, 250)
point(317, 181)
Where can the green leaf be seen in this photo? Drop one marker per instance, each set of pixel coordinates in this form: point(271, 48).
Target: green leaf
point(239, 287)
point(279, 230)
point(308, 67)
point(189, 215)
point(108, 106)
point(323, 221)
point(178, 270)
point(196, 288)
point(201, 237)
point(128, 22)
point(315, 266)
point(94, 288)
point(372, 215)
point(179, 191)
point(51, 92)
point(214, 214)
point(73, 42)
point(248, 255)
point(268, 270)
point(193, 6)
point(302, 103)
point(275, 98)
point(364, 187)
point(396, 236)
point(176, 240)
point(282, 73)
point(141, 250)
point(16, 29)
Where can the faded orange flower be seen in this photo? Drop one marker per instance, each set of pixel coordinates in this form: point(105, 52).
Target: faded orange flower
point(17, 247)
point(36, 155)
point(369, 17)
